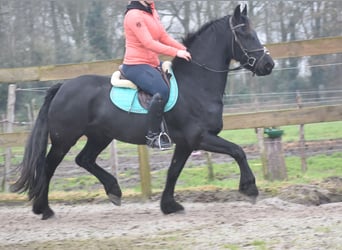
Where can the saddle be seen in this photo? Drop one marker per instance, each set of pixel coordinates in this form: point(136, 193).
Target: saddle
point(119, 80)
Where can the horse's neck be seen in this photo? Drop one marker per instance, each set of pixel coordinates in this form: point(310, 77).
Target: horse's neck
point(212, 65)
point(213, 57)
point(212, 48)
point(211, 54)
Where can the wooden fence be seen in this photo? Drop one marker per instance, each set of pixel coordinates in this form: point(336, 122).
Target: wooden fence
point(238, 121)
point(330, 45)
point(321, 46)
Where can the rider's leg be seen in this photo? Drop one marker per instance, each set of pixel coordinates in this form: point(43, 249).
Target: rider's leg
point(150, 80)
point(155, 137)
point(147, 78)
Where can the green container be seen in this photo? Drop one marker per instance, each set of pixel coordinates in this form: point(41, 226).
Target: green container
point(273, 132)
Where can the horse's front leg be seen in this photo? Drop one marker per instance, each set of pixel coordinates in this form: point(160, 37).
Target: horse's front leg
point(213, 143)
point(168, 204)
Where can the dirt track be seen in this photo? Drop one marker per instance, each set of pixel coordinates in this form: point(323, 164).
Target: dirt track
point(213, 220)
point(271, 223)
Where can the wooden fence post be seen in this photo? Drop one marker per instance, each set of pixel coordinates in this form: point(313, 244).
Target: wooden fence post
point(10, 108)
point(3, 123)
point(145, 172)
point(301, 135)
point(211, 175)
point(275, 167)
point(9, 129)
point(4, 182)
point(261, 146)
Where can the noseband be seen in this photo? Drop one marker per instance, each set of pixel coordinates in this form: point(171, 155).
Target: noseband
point(251, 60)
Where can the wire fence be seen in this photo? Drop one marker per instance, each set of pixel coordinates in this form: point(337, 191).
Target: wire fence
point(237, 103)
point(240, 103)
point(273, 101)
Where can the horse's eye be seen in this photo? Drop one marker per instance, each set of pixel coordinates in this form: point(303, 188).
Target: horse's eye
point(243, 34)
point(252, 38)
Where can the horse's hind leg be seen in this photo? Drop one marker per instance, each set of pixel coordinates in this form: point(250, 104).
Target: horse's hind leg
point(54, 157)
point(168, 204)
point(87, 160)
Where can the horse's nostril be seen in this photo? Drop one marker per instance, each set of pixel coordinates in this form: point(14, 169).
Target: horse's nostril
point(269, 67)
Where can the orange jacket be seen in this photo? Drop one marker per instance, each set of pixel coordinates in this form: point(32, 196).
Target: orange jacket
point(146, 38)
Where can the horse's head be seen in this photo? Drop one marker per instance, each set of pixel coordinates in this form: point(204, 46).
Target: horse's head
point(246, 47)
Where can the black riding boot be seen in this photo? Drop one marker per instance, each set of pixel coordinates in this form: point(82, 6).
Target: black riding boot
point(155, 137)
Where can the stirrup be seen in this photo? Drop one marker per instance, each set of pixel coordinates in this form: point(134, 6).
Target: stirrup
point(161, 141)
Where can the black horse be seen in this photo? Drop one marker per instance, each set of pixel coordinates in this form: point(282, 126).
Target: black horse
point(81, 106)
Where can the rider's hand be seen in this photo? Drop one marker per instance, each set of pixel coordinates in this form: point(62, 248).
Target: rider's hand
point(184, 54)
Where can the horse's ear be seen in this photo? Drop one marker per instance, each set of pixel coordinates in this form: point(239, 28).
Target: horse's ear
point(237, 13)
point(244, 11)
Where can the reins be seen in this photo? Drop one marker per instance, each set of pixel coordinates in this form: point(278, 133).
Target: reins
point(251, 61)
point(215, 70)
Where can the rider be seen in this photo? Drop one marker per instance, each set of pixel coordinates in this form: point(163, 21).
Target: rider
point(146, 38)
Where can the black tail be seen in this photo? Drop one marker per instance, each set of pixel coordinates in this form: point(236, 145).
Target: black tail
point(32, 177)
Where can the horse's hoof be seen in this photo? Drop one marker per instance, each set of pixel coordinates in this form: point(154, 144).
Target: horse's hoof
point(37, 211)
point(172, 207)
point(114, 199)
point(48, 214)
point(249, 189)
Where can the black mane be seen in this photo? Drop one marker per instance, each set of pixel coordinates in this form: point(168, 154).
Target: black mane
point(190, 37)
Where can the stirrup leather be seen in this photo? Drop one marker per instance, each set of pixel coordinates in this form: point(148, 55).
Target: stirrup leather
point(161, 141)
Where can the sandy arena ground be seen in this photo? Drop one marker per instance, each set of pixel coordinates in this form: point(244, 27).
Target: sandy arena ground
point(271, 223)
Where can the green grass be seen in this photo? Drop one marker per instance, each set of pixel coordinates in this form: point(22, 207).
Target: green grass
point(317, 131)
point(231, 247)
point(67, 184)
point(259, 244)
point(87, 187)
point(227, 175)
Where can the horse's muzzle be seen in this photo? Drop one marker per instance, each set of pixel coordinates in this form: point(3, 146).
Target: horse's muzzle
point(264, 66)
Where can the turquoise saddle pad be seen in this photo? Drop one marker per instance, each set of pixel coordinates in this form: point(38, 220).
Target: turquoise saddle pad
point(127, 99)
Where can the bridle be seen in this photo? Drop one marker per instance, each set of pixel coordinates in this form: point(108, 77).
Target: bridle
point(251, 61)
